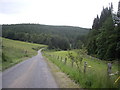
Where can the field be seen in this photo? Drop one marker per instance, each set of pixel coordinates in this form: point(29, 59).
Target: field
point(14, 52)
point(96, 75)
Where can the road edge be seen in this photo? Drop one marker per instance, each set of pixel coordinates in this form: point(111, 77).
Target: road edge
point(62, 80)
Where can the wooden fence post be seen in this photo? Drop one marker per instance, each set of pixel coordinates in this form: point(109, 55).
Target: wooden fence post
point(109, 68)
point(61, 59)
point(58, 58)
point(25, 51)
point(65, 60)
point(85, 65)
point(72, 62)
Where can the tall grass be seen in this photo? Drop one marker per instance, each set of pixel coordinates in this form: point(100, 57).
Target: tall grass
point(95, 77)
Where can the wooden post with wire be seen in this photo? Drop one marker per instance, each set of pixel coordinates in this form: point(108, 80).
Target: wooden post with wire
point(65, 60)
point(109, 69)
point(85, 66)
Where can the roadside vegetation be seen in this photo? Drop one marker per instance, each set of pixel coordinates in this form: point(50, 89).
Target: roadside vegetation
point(88, 56)
point(95, 76)
point(16, 51)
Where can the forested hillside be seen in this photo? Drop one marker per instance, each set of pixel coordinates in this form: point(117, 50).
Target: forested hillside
point(104, 38)
point(57, 37)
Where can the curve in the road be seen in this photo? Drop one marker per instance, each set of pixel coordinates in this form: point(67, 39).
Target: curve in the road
point(31, 73)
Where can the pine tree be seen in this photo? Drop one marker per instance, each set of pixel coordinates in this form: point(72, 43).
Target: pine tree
point(96, 23)
point(104, 43)
point(118, 13)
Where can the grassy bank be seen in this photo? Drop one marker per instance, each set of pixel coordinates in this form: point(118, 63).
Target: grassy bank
point(15, 51)
point(62, 80)
point(96, 72)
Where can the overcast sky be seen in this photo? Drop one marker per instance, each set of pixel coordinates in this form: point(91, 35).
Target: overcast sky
point(53, 12)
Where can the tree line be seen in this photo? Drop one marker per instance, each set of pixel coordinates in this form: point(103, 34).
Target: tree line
point(56, 37)
point(104, 37)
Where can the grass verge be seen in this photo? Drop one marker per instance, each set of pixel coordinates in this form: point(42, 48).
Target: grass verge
point(96, 72)
point(63, 81)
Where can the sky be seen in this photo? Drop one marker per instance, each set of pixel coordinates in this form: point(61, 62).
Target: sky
point(53, 12)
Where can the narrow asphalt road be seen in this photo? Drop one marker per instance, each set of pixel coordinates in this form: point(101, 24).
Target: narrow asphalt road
point(31, 73)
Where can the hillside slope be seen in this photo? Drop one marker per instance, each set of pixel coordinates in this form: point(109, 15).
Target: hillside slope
point(46, 34)
point(16, 51)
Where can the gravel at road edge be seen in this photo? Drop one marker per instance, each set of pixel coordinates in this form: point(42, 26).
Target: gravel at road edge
point(62, 80)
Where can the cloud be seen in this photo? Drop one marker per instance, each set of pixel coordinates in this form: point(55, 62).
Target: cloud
point(11, 6)
point(53, 12)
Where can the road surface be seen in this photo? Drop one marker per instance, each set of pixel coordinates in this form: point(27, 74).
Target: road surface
point(31, 73)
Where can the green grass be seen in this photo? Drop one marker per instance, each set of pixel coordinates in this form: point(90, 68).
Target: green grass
point(14, 51)
point(95, 77)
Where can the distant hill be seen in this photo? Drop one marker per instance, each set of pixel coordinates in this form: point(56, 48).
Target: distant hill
point(39, 33)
